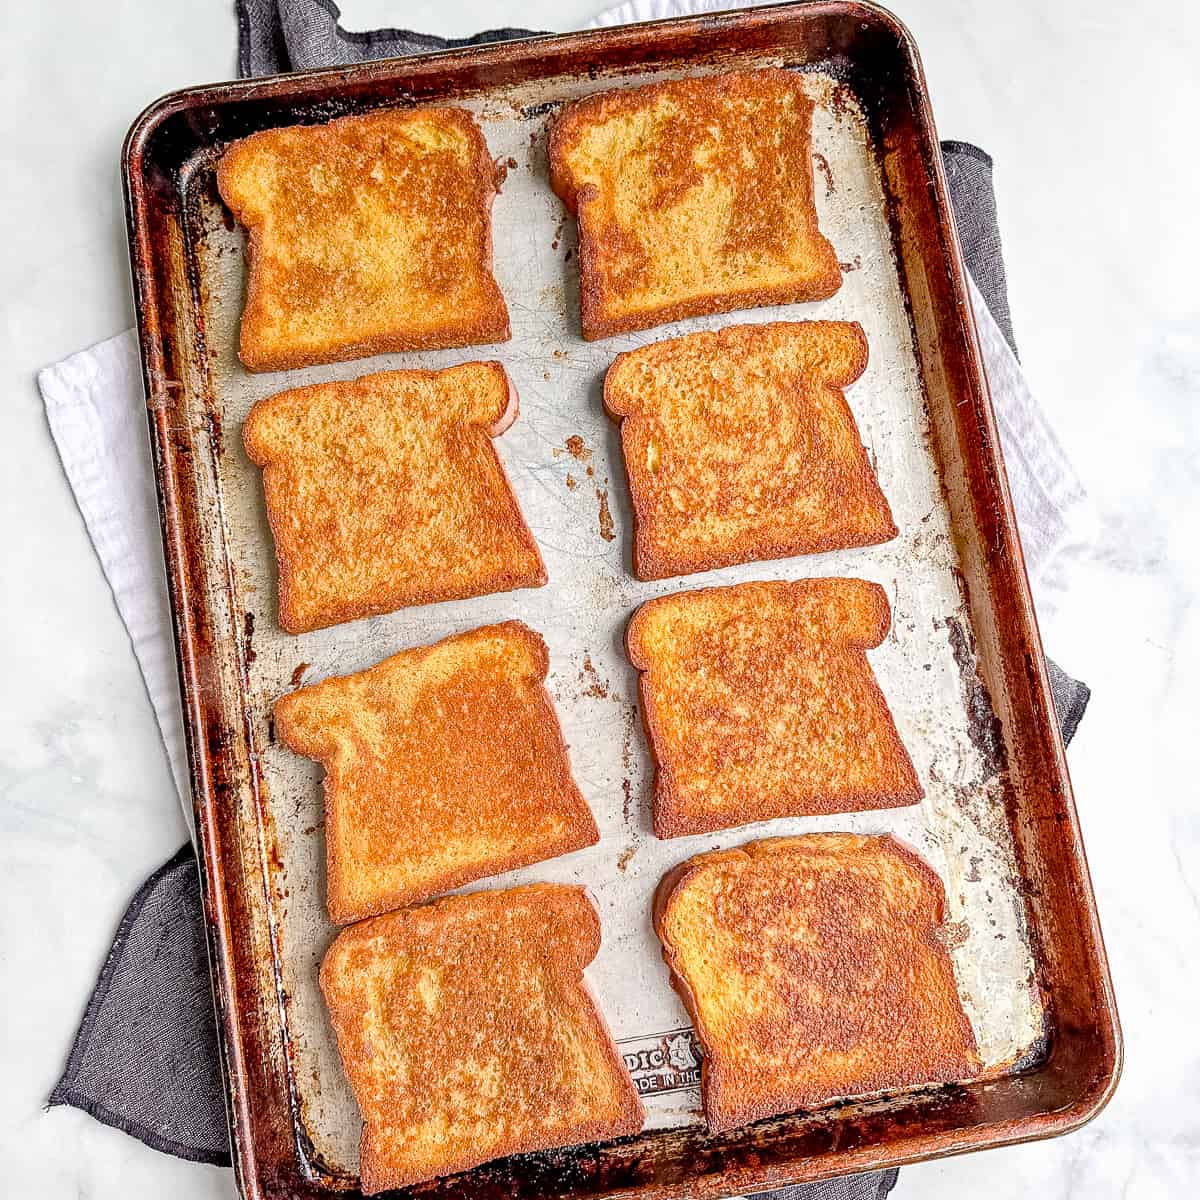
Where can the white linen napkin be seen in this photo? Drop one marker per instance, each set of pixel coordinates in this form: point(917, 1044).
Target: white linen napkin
point(96, 407)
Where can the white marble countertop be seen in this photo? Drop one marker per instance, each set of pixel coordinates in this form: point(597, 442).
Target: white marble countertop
point(1090, 111)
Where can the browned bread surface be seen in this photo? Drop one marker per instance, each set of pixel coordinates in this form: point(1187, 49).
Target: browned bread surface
point(759, 702)
point(386, 491)
point(739, 445)
point(468, 1033)
point(813, 969)
point(694, 196)
point(444, 764)
point(370, 233)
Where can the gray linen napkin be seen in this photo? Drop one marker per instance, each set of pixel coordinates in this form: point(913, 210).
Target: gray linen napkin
point(145, 1057)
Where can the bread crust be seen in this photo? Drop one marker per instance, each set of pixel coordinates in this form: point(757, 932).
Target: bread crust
point(674, 815)
point(568, 929)
point(818, 281)
point(489, 325)
point(525, 567)
point(953, 1058)
point(856, 512)
point(349, 896)
point(597, 324)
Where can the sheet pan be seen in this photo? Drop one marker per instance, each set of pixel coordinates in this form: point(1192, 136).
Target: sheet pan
point(962, 667)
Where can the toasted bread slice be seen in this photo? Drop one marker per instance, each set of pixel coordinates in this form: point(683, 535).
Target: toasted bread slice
point(370, 233)
point(739, 445)
point(444, 764)
point(468, 1033)
point(758, 702)
point(813, 971)
point(386, 491)
point(694, 196)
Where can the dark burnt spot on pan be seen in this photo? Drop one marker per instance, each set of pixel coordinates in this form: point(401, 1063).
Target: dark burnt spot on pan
point(327, 108)
point(631, 716)
point(607, 531)
point(590, 681)
point(310, 1156)
point(841, 99)
point(216, 432)
point(547, 1173)
point(983, 726)
point(822, 165)
point(203, 209)
point(658, 1157)
point(248, 654)
point(502, 167)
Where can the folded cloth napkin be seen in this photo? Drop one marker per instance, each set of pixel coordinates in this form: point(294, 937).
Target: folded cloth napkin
point(145, 1056)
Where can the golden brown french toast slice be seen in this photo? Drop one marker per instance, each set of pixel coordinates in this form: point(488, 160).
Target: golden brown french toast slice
point(814, 970)
point(386, 491)
point(739, 445)
point(444, 764)
point(758, 702)
point(693, 196)
point(468, 1033)
point(367, 234)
